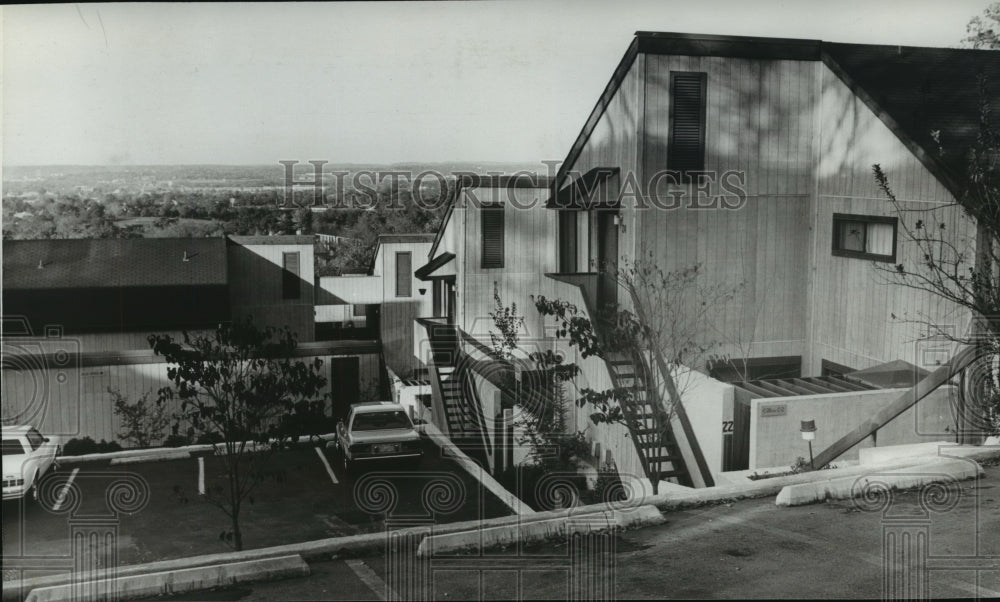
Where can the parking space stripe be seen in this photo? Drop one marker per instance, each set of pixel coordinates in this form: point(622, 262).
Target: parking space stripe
point(201, 475)
point(369, 578)
point(65, 490)
point(329, 469)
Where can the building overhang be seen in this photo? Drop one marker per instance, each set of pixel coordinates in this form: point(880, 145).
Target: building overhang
point(584, 192)
point(432, 269)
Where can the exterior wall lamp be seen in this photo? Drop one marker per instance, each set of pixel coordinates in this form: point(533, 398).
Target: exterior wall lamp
point(808, 430)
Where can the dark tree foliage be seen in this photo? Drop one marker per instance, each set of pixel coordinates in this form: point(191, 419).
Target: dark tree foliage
point(241, 383)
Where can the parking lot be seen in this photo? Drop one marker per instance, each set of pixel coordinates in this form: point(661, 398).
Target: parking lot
point(739, 550)
point(156, 511)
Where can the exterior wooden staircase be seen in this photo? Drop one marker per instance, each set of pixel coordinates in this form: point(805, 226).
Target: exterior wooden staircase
point(650, 429)
point(460, 414)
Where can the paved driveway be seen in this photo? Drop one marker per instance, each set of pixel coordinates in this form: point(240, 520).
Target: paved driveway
point(160, 514)
point(748, 549)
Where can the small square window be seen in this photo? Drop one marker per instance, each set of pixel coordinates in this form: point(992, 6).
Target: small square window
point(864, 236)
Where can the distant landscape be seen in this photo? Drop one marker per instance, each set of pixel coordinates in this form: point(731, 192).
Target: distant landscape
point(41, 202)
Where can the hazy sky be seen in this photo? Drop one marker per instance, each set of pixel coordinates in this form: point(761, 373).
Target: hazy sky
point(365, 82)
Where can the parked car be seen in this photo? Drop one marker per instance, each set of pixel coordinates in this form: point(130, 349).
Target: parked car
point(378, 430)
point(27, 456)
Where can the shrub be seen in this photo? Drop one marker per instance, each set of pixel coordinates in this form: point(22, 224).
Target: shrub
point(143, 421)
point(542, 488)
point(86, 445)
point(177, 440)
point(607, 488)
point(209, 438)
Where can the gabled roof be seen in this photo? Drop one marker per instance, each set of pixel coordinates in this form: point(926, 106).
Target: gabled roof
point(914, 91)
point(113, 263)
point(467, 180)
point(919, 91)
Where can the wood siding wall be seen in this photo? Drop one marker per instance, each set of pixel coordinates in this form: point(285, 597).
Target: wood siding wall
point(255, 287)
point(529, 253)
point(852, 301)
point(74, 402)
point(759, 124)
point(398, 313)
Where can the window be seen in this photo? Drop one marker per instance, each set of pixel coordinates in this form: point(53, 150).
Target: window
point(567, 241)
point(377, 421)
point(290, 288)
point(492, 224)
point(864, 236)
point(404, 274)
point(438, 288)
point(35, 439)
point(12, 447)
point(359, 311)
point(686, 137)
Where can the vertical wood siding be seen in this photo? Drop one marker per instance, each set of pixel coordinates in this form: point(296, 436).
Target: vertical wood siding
point(255, 287)
point(398, 313)
point(74, 402)
point(852, 301)
point(758, 123)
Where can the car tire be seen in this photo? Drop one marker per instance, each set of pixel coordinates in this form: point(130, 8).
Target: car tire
point(34, 487)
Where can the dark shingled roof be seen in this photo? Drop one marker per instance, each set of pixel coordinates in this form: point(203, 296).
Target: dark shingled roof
point(918, 91)
point(111, 263)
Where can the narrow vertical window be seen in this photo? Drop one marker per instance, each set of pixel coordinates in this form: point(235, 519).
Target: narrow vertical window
point(290, 281)
point(567, 241)
point(404, 275)
point(493, 234)
point(686, 138)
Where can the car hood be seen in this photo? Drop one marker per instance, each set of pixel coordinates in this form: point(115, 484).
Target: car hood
point(13, 465)
point(384, 435)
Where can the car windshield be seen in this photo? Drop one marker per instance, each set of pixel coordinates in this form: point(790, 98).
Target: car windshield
point(12, 447)
point(374, 421)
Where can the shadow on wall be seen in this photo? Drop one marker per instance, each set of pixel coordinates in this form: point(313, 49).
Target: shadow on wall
point(260, 286)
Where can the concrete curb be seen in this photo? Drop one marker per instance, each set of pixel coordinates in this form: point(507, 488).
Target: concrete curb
point(539, 530)
point(137, 455)
point(352, 545)
point(877, 483)
point(174, 582)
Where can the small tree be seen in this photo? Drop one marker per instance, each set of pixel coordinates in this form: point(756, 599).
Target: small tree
point(507, 324)
point(240, 382)
point(984, 30)
point(663, 332)
point(143, 422)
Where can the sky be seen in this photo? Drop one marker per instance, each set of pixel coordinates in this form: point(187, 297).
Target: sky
point(128, 84)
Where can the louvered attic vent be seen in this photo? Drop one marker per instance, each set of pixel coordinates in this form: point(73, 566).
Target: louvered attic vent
point(686, 142)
